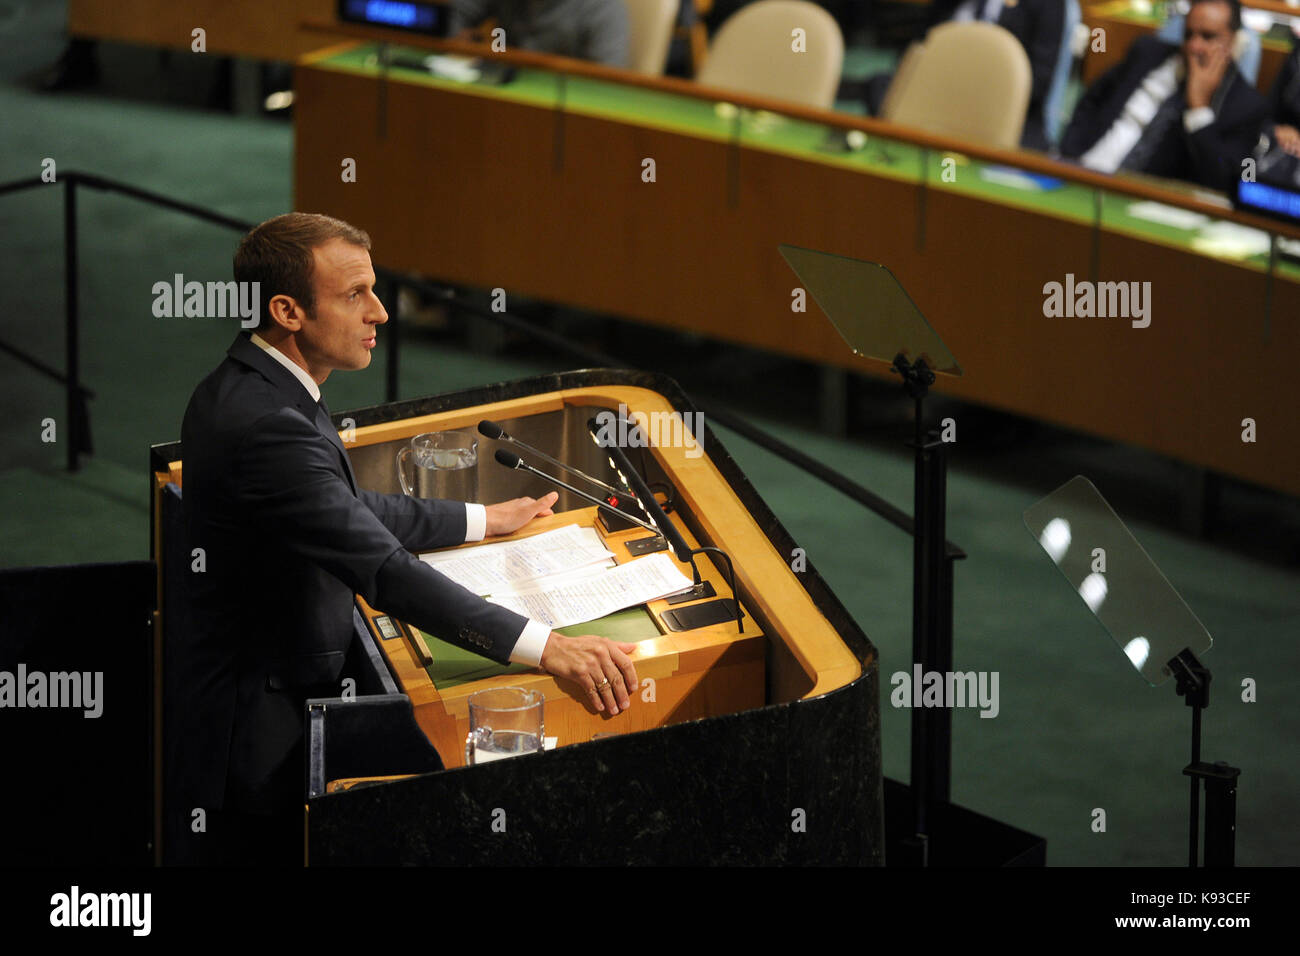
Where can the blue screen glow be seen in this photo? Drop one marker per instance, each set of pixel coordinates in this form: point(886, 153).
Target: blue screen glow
point(393, 13)
point(1262, 196)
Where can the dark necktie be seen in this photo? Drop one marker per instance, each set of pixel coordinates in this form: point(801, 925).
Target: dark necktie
point(1144, 150)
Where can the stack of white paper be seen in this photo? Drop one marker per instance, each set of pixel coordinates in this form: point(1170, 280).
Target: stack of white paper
point(573, 602)
point(509, 564)
point(561, 577)
point(1227, 240)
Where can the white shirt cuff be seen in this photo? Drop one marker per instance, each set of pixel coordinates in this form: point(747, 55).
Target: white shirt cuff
point(531, 643)
point(1198, 118)
point(475, 522)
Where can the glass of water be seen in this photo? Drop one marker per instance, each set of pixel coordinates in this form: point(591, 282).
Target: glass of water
point(446, 465)
point(504, 722)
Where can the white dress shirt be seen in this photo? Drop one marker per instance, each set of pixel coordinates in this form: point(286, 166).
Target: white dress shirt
point(1118, 141)
point(532, 640)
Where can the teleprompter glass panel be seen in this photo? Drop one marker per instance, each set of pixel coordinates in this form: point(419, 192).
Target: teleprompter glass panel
point(867, 306)
point(1118, 581)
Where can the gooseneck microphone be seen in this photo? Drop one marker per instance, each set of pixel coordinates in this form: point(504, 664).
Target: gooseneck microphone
point(639, 488)
point(697, 615)
point(490, 429)
point(511, 460)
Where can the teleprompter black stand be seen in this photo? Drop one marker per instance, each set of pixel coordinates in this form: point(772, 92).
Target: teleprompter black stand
point(1193, 684)
point(1153, 625)
point(878, 320)
point(931, 634)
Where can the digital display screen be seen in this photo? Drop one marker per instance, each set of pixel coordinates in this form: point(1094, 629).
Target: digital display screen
point(430, 18)
point(1261, 197)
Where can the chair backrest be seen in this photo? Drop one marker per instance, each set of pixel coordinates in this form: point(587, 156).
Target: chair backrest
point(1245, 45)
point(906, 67)
point(650, 31)
point(971, 81)
point(759, 51)
point(1054, 102)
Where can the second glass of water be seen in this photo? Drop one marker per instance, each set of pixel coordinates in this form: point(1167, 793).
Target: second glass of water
point(504, 722)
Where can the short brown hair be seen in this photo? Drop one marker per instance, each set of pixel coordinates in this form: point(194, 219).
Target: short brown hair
point(278, 255)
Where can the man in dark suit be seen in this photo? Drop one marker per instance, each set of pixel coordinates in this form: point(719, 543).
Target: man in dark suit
point(287, 537)
point(1185, 113)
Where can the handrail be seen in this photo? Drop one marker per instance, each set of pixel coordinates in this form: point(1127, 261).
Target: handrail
point(1127, 185)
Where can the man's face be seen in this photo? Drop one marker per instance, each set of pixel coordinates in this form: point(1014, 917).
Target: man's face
point(341, 333)
point(1207, 29)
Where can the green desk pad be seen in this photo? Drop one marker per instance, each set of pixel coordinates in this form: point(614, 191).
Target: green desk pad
point(454, 665)
point(807, 141)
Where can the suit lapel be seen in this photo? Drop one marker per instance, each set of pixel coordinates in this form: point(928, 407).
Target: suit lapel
point(331, 433)
point(294, 394)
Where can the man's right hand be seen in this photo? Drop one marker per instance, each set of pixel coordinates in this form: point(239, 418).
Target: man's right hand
point(1205, 74)
point(600, 667)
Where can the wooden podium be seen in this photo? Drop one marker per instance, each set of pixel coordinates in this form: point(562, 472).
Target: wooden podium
point(684, 676)
point(753, 747)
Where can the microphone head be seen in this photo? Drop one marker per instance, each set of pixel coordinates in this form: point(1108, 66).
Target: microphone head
point(508, 458)
point(490, 429)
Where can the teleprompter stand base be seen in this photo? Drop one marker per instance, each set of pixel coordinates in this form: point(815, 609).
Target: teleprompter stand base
point(956, 837)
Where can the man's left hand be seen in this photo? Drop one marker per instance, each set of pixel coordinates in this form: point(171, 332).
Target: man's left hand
point(509, 516)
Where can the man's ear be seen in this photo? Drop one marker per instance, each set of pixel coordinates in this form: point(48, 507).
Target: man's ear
point(285, 312)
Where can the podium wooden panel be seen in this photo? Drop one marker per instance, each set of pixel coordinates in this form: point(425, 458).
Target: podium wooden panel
point(248, 28)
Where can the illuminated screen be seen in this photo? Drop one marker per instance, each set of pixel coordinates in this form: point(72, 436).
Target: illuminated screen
point(1270, 199)
point(418, 17)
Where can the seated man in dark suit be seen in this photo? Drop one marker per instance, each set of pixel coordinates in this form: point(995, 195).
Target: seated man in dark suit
point(288, 538)
point(1185, 113)
point(594, 30)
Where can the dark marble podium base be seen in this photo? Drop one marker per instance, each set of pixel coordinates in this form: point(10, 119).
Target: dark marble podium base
point(795, 783)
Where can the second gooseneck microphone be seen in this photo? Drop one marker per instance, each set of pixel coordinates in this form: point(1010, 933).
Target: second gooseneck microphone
point(511, 460)
point(490, 429)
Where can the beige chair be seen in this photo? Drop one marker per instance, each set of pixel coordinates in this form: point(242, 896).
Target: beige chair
point(970, 81)
point(753, 52)
point(650, 30)
point(899, 83)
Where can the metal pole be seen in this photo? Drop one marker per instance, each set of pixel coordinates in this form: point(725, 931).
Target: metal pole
point(1195, 822)
point(74, 428)
point(931, 640)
